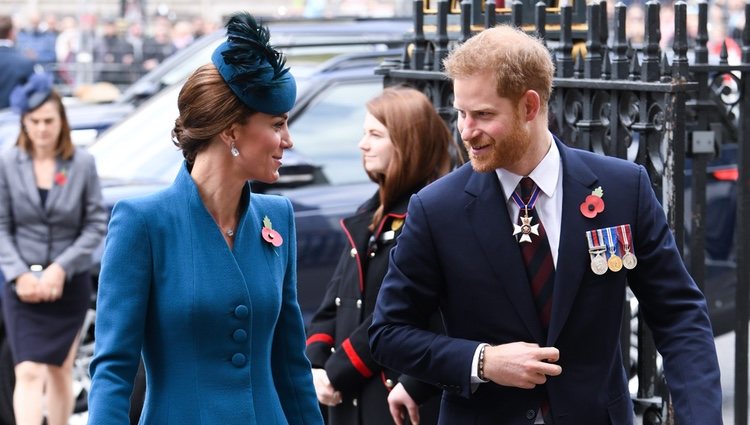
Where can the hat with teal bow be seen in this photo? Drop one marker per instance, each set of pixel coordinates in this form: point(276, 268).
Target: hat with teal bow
point(253, 69)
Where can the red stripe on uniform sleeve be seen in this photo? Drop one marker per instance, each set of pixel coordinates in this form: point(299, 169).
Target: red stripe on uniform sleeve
point(355, 359)
point(324, 338)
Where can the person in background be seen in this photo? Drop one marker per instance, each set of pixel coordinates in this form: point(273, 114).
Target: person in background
point(182, 34)
point(37, 40)
point(135, 38)
point(113, 55)
point(16, 68)
point(51, 220)
point(527, 253)
point(200, 278)
point(405, 146)
point(158, 46)
point(67, 48)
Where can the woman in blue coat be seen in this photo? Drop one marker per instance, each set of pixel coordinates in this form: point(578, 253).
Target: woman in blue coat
point(200, 279)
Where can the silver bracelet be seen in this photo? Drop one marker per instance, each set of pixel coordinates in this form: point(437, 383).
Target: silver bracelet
point(480, 368)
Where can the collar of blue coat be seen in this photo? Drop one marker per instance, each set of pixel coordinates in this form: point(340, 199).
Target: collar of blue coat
point(271, 92)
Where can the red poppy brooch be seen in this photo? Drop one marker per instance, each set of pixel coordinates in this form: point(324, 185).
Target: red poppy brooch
point(594, 204)
point(61, 177)
point(269, 235)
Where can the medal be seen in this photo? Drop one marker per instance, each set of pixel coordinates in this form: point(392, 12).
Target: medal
point(526, 229)
point(598, 263)
point(614, 262)
point(628, 259)
point(597, 253)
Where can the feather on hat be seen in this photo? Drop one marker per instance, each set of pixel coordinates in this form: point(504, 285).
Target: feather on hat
point(253, 69)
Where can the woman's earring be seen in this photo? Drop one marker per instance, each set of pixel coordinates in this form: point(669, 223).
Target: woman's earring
point(233, 150)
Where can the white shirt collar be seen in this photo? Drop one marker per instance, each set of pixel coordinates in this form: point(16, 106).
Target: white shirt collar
point(545, 174)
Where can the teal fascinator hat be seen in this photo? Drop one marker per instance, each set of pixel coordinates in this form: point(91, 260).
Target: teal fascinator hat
point(253, 69)
point(29, 96)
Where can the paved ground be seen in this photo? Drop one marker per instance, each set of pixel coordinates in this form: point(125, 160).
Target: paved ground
point(725, 350)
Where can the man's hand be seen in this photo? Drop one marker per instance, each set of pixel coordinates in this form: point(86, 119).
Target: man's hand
point(398, 400)
point(520, 364)
point(326, 393)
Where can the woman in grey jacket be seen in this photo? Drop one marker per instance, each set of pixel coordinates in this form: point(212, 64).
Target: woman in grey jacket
point(51, 220)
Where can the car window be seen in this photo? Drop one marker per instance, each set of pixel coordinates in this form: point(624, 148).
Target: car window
point(140, 147)
point(328, 131)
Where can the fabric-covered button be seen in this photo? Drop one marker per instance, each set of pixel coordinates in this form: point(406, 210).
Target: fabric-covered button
point(241, 311)
point(239, 335)
point(530, 414)
point(239, 359)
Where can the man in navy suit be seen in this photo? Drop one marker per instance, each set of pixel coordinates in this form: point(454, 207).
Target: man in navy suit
point(15, 69)
point(530, 273)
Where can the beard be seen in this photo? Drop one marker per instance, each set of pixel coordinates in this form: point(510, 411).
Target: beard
point(502, 151)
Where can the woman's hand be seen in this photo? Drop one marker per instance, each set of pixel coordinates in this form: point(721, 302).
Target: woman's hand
point(326, 393)
point(29, 289)
point(398, 400)
point(52, 282)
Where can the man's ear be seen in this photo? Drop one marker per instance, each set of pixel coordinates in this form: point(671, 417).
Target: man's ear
point(531, 104)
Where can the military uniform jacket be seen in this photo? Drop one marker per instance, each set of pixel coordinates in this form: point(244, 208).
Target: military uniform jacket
point(220, 330)
point(338, 340)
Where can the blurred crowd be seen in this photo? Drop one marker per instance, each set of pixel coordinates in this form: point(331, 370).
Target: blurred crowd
point(726, 21)
point(81, 50)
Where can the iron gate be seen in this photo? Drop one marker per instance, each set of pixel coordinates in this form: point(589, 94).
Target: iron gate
point(673, 110)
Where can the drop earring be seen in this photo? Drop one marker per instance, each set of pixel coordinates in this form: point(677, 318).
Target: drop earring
point(233, 150)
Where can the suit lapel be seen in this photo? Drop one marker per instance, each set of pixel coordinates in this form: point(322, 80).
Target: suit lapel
point(61, 166)
point(28, 180)
point(572, 260)
point(490, 222)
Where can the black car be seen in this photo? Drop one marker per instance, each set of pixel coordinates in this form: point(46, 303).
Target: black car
point(310, 40)
point(322, 175)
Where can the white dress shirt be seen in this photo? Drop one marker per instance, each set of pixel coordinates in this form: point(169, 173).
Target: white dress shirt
point(548, 176)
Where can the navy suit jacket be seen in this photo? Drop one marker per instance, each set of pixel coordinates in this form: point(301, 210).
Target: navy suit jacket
point(15, 69)
point(457, 254)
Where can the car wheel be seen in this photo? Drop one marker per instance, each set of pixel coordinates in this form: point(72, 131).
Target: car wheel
point(7, 382)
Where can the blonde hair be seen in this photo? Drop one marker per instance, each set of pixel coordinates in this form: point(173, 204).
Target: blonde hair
point(519, 61)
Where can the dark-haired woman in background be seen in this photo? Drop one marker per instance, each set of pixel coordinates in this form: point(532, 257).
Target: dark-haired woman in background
point(51, 220)
point(201, 277)
point(405, 146)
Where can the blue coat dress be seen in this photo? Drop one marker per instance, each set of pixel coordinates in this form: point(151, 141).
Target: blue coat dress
point(220, 330)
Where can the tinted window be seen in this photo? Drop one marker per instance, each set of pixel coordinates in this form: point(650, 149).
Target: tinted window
point(328, 130)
